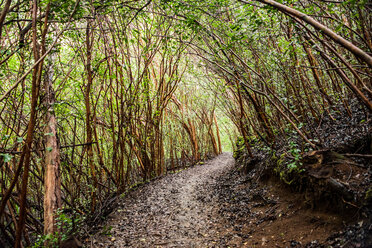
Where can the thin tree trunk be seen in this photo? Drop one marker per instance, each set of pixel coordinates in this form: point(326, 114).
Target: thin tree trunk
point(52, 180)
point(218, 134)
point(88, 117)
point(347, 81)
point(30, 130)
point(3, 15)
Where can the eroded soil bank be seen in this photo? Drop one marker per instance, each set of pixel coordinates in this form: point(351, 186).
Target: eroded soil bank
point(213, 205)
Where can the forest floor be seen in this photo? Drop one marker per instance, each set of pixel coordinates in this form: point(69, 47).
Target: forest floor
point(213, 205)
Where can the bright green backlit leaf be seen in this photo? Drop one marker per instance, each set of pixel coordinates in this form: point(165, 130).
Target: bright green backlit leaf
point(6, 157)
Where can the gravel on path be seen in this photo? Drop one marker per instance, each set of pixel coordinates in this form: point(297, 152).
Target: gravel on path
point(178, 210)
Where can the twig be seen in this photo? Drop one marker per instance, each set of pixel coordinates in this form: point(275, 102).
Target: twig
point(62, 147)
point(351, 204)
point(357, 155)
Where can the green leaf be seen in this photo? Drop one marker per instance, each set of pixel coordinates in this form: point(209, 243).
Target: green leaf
point(6, 157)
point(5, 137)
point(49, 134)
point(49, 149)
point(19, 139)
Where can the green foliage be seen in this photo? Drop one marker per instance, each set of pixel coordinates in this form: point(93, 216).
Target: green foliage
point(368, 195)
point(239, 147)
point(6, 157)
point(289, 166)
point(295, 162)
point(68, 225)
point(51, 239)
point(106, 230)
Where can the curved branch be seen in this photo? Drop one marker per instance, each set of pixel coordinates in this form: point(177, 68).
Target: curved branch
point(359, 53)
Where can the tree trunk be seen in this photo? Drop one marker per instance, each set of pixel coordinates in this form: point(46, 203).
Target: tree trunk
point(89, 43)
point(36, 76)
point(3, 15)
point(218, 135)
point(52, 180)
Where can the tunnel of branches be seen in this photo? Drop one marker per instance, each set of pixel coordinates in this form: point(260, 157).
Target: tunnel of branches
point(98, 96)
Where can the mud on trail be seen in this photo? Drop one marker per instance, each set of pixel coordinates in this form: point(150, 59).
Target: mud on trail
point(212, 205)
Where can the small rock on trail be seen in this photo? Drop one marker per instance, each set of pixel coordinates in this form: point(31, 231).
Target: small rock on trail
point(175, 211)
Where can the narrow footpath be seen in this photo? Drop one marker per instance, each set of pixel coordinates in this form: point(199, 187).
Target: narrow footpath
point(175, 211)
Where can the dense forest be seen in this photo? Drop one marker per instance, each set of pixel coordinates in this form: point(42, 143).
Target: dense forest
point(97, 97)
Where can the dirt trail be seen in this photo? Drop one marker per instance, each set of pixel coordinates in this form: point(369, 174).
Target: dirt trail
point(175, 211)
point(214, 205)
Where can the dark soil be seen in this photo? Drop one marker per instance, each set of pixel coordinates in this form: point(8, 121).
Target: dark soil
point(268, 213)
point(215, 205)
